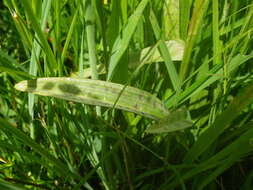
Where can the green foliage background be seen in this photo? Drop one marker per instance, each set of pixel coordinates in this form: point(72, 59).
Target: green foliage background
point(46, 143)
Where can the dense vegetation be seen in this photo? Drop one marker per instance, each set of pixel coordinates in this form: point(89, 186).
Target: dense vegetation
point(48, 143)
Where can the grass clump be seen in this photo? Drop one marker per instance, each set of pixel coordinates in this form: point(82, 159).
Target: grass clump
point(190, 54)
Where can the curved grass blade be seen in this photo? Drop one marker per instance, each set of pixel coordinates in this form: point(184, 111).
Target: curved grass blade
point(97, 92)
point(176, 120)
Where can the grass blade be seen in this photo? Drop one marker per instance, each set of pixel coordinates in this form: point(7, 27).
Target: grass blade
point(39, 32)
point(91, 39)
point(176, 82)
point(123, 39)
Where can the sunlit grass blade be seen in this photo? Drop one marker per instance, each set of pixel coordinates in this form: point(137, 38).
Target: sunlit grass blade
point(123, 40)
point(91, 39)
point(176, 82)
point(197, 18)
point(40, 34)
point(185, 9)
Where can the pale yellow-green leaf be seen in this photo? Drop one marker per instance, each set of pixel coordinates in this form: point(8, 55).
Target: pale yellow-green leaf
point(108, 94)
point(97, 92)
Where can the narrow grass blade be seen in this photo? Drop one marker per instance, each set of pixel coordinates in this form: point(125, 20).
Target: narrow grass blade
point(176, 82)
point(22, 29)
point(69, 36)
point(91, 39)
point(39, 32)
point(36, 49)
point(123, 39)
point(185, 9)
point(96, 92)
point(197, 17)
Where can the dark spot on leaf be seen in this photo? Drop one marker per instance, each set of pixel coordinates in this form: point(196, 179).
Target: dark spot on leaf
point(32, 84)
point(94, 96)
point(141, 97)
point(154, 104)
point(69, 88)
point(148, 98)
point(48, 86)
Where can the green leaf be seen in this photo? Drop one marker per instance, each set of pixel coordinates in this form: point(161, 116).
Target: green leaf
point(177, 120)
point(97, 92)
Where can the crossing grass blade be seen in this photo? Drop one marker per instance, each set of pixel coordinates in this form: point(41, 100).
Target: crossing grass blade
point(175, 80)
point(96, 92)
